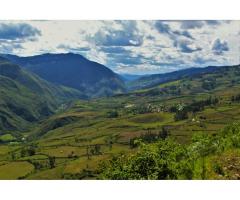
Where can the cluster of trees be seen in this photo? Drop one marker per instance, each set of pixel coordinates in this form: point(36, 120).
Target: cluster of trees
point(52, 161)
point(28, 151)
point(93, 150)
point(168, 90)
point(147, 108)
point(142, 109)
point(31, 150)
point(85, 173)
point(162, 160)
point(167, 159)
point(199, 105)
point(112, 114)
point(235, 98)
point(182, 112)
point(41, 164)
point(209, 84)
point(149, 137)
point(110, 140)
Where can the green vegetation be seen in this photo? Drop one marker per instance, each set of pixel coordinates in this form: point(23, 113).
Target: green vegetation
point(169, 160)
point(15, 170)
point(174, 130)
point(26, 98)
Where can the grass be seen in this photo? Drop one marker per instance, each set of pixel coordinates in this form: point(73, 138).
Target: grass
point(78, 165)
point(63, 151)
point(222, 167)
point(7, 138)
point(85, 124)
point(48, 174)
point(8, 171)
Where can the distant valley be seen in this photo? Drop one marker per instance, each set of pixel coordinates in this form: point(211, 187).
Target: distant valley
point(63, 116)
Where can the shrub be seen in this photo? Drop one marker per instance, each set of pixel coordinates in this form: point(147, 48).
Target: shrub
point(162, 160)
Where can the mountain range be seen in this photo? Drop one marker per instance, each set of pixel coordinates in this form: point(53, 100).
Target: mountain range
point(63, 124)
point(33, 88)
point(73, 70)
point(149, 81)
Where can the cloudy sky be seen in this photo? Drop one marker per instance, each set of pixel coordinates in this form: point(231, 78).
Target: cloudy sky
point(134, 47)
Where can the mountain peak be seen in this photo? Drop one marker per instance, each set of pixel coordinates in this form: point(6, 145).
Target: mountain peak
point(73, 70)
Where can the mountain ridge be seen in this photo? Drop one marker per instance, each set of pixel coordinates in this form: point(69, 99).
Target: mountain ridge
point(152, 80)
point(73, 70)
point(26, 98)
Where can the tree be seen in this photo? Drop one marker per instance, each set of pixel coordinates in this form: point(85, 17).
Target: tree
point(13, 156)
point(112, 114)
point(109, 141)
point(96, 149)
point(181, 115)
point(164, 133)
point(88, 155)
point(162, 160)
point(31, 151)
point(28, 151)
point(51, 161)
point(209, 84)
point(235, 98)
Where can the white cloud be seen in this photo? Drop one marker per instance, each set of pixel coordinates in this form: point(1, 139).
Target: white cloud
point(137, 46)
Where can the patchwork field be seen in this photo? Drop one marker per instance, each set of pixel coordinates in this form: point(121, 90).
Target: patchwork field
point(73, 142)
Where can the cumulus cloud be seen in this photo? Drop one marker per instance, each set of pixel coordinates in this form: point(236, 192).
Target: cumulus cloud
point(192, 24)
point(128, 46)
point(201, 61)
point(184, 33)
point(186, 46)
point(163, 27)
point(8, 48)
point(128, 35)
point(69, 48)
point(219, 47)
point(115, 50)
point(20, 31)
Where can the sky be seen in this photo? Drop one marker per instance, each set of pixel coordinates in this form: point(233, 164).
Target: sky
point(129, 47)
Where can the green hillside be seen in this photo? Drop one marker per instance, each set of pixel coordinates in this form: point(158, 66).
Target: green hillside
point(188, 115)
point(75, 71)
point(26, 98)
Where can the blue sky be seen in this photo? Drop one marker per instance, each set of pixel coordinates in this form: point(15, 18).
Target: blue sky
point(135, 47)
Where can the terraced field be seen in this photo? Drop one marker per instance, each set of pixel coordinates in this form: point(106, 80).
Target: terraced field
point(73, 142)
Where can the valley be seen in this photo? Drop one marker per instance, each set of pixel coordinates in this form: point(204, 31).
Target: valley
point(79, 133)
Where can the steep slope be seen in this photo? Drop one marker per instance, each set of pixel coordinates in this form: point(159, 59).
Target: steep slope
point(150, 108)
point(74, 71)
point(156, 79)
point(208, 80)
point(26, 98)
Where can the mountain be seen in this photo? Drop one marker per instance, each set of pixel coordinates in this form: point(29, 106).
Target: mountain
point(75, 71)
point(130, 77)
point(149, 81)
point(26, 98)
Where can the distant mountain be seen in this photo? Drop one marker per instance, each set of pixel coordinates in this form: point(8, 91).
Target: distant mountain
point(75, 71)
point(130, 77)
point(149, 81)
point(26, 98)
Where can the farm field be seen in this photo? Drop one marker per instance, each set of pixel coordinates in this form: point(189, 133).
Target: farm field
point(72, 143)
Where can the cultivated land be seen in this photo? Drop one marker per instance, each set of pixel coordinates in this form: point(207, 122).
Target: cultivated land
point(72, 143)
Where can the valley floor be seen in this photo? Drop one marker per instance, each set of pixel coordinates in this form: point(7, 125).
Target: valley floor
point(74, 142)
